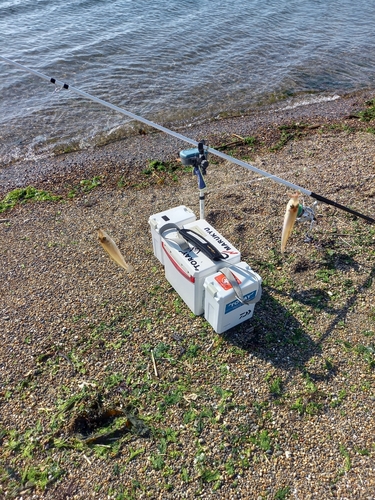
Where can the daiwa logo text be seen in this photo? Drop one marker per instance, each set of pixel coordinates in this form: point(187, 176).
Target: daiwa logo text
point(246, 313)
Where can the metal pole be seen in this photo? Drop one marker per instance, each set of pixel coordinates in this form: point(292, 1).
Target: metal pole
point(201, 204)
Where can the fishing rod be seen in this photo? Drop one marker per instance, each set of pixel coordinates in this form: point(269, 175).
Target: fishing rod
point(224, 156)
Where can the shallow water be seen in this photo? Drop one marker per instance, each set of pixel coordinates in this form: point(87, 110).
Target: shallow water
point(171, 62)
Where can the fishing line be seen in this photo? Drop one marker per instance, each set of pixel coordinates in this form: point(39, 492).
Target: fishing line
point(183, 138)
point(244, 183)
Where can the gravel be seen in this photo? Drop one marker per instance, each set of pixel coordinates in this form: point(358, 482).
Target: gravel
point(281, 406)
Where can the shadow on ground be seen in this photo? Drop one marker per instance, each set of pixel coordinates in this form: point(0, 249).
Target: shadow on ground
point(276, 336)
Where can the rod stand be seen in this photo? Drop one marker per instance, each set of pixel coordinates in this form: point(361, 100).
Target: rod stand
point(197, 158)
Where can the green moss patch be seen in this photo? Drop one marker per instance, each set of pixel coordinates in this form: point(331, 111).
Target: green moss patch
point(22, 195)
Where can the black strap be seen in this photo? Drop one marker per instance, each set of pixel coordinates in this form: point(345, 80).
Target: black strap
point(196, 239)
point(199, 242)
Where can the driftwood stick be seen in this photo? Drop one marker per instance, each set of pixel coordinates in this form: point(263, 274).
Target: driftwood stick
point(227, 145)
point(239, 137)
point(154, 364)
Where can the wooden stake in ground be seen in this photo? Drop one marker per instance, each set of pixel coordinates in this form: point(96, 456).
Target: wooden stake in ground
point(154, 364)
point(289, 219)
point(111, 248)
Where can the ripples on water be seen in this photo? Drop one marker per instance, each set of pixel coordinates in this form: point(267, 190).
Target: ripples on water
point(170, 61)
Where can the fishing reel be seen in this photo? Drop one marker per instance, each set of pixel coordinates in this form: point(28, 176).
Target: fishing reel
point(307, 214)
point(201, 160)
point(196, 158)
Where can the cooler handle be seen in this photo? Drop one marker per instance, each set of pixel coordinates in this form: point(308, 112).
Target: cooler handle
point(197, 240)
point(237, 290)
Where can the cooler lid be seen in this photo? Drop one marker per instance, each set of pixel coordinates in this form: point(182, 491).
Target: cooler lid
point(178, 215)
point(204, 229)
point(248, 281)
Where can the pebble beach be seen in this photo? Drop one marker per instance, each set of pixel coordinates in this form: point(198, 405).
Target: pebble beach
point(112, 389)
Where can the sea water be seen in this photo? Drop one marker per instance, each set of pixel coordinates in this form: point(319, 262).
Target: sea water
point(173, 62)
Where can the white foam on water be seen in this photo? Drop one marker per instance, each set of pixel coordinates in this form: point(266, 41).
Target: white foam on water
point(309, 101)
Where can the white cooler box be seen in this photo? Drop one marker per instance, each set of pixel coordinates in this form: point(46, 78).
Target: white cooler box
point(180, 215)
point(187, 267)
point(222, 308)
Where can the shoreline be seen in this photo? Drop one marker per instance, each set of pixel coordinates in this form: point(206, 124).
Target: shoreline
point(132, 153)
